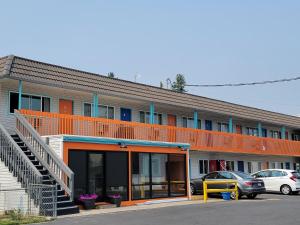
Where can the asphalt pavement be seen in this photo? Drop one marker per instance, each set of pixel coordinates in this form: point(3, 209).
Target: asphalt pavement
point(267, 209)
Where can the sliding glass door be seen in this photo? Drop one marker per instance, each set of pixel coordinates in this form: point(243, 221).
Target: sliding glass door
point(95, 174)
point(158, 175)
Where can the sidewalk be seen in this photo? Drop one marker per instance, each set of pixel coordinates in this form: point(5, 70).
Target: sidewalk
point(140, 207)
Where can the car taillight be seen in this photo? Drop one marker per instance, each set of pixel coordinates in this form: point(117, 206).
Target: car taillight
point(293, 178)
point(248, 183)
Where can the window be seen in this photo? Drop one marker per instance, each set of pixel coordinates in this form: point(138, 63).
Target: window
point(87, 109)
point(259, 165)
point(273, 165)
point(249, 166)
point(275, 134)
point(213, 175)
point(145, 117)
point(230, 165)
point(288, 165)
point(226, 175)
point(203, 166)
point(264, 132)
point(223, 127)
point(295, 137)
point(188, 122)
point(208, 125)
point(262, 174)
point(277, 173)
point(252, 131)
point(104, 111)
point(31, 102)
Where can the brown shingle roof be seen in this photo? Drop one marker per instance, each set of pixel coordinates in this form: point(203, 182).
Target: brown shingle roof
point(53, 75)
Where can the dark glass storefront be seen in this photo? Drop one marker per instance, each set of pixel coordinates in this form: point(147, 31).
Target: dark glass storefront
point(156, 175)
point(103, 173)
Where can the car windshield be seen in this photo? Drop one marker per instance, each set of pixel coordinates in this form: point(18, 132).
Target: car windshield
point(296, 174)
point(243, 175)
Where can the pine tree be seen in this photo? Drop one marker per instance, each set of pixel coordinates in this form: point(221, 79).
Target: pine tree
point(111, 75)
point(179, 84)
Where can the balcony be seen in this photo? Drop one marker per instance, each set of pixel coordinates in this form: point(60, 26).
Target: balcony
point(202, 140)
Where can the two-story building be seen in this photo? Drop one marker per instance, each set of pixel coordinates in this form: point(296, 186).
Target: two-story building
point(141, 141)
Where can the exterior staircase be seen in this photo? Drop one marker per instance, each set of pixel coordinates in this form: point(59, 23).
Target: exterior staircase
point(64, 204)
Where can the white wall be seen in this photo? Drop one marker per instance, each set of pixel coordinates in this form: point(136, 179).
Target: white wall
point(12, 196)
point(195, 156)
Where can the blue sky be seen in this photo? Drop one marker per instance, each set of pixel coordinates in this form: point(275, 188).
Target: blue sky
point(208, 41)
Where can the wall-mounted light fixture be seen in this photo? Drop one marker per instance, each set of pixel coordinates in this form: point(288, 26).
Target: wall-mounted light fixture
point(122, 145)
point(182, 148)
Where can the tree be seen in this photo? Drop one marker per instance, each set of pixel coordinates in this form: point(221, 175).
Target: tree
point(161, 85)
point(179, 83)
point(111, 75)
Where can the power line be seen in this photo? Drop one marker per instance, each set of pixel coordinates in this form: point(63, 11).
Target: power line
point(244, 84)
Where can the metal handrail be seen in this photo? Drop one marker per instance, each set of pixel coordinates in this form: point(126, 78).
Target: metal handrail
point(17, 161)
point(46, 156)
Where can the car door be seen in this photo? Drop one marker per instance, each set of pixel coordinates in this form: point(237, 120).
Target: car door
point(264, 175)
point(276, 180)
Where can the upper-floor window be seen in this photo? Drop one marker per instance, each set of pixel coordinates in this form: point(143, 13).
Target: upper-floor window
point(252, 131)
point(188, 122)
point(104, 111)
point(145, 117)
point(31, 102)
point(264, 132)
point(296, 137)
point(208, 125)
point(275, 134)
point(223, 127)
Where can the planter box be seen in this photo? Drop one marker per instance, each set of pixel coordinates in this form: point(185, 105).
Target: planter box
point(88, 203)
point(116, 201)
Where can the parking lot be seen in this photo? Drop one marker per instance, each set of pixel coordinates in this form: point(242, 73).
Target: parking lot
point(267, 209)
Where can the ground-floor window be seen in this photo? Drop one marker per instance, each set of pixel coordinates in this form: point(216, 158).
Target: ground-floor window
point(99, 172)
point(203, 166)
point(230, 165)
point(156, 175)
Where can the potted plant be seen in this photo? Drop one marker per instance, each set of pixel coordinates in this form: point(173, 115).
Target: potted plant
point(88, 200)
point(115, 199)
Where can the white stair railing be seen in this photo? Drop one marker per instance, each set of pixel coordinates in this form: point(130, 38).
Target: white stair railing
point(17, 161)
point(45, 155)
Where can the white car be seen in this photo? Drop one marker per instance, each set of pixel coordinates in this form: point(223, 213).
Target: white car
point(280, 180)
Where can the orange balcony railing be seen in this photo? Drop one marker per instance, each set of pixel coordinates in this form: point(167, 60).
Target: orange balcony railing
point(55, 123)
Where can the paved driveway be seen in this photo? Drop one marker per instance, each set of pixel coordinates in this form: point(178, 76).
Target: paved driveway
point(268, 209)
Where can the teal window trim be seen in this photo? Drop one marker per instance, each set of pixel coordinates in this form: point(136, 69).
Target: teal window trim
point(196, 120)
point(259, 127)
point(230, 125)
point(152, 111)
point(20, 90)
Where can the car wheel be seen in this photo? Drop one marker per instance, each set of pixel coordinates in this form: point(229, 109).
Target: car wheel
point(192, 189)
point(251, 196)
point(232, 194)
point(285, 189)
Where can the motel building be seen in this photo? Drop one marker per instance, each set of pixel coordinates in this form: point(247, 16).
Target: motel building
point(89, 134)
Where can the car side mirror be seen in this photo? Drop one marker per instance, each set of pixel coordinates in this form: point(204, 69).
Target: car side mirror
point(203, 178)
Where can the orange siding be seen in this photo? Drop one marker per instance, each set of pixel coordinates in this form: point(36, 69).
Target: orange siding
point(55, 123)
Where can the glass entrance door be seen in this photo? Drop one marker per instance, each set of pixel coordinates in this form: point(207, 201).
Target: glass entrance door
point(96, 174)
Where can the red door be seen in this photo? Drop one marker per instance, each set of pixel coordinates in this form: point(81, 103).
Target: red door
point(171, 120)
point(65, 106)
point(66, 123)
point(212, 165)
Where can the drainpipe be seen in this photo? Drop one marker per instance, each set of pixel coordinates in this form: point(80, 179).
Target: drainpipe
point(196, 120)
point(20, 94)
